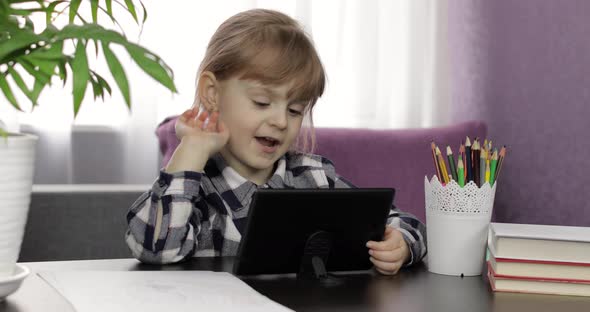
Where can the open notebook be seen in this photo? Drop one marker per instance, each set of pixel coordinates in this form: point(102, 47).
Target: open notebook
point(157, 291)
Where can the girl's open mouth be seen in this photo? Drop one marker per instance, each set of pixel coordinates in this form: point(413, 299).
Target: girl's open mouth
point(266, 141)
point(269, 144)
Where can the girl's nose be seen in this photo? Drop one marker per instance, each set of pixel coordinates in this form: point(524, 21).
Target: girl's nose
point(278, 118)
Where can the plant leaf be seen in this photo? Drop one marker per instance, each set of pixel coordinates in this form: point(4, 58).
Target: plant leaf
point(62, 71)
point(81, 18)
point(90, 31)
point(117, 72)
point(19, 40)
point(29, 24)
point(81, 75)
point(152, 65)
point(110, 15)
point(30, 68)
point(8, 92)
point(49, 10)
point(94, 8)
point(20, 83)
point(109, 4)
point(33, 94)
point(21, 12)
point(131, 9)
point(37, 88)
point(103, 83)
point(96, 88)
point(52, 52)
point(95, 44)
point(144, 13)
point(43, 65)
point(74, 5)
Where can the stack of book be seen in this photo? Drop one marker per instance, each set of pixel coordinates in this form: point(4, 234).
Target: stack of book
point(544, 259)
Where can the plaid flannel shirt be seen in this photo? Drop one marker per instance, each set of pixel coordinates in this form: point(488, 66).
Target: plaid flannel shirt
point(188, 214)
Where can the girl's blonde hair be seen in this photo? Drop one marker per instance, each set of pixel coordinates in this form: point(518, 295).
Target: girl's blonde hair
point(272, 48)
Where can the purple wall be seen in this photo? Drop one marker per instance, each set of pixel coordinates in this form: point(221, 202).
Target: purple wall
point(524, 67)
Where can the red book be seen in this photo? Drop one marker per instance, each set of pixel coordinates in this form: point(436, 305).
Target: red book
point(538, 285)
point(548, 270)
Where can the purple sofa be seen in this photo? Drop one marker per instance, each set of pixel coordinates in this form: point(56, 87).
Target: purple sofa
point(374, 158)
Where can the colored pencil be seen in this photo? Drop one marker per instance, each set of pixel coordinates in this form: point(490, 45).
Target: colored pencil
point(468, 166)
point(500, 161)
point(482, 167)
point(487, 171)
point(476, 152)
point(433, 147)
point(493, 164)
point(462, 156)
point(451, 160)
point(460, 173)
point(443, 167)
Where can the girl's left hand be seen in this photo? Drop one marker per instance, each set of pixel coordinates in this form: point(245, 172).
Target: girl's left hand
point(391, 253)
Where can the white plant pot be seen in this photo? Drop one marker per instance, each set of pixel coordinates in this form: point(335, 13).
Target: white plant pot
point(17, 159)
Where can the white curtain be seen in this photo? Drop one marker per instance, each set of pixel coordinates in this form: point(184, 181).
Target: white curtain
point(379, 56)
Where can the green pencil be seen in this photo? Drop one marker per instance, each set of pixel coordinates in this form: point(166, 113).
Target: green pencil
point(493, 163)
point(461, 173)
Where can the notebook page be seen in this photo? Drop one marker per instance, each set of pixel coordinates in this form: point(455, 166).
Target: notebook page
point(146, 291)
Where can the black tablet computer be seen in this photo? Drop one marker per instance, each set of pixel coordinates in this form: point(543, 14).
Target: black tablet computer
point(311, 231)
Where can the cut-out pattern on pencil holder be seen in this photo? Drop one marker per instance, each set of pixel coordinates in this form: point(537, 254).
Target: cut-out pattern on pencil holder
point(453, 199)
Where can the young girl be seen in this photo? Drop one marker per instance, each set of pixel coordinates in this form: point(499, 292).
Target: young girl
point(259, 79)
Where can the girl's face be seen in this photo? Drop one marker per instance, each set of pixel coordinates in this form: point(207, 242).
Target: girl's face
point(262, 124)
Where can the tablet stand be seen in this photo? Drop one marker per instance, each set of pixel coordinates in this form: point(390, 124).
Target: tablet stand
point(315, 255)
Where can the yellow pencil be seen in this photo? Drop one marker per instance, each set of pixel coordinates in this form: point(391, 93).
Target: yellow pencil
point(443, 167)
point(482, 167)
point(433, 147)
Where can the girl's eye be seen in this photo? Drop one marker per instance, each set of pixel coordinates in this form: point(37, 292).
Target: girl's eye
point(295, 112)
point(261, 103)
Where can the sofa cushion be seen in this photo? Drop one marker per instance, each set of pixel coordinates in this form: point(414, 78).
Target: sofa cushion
point(78, 222)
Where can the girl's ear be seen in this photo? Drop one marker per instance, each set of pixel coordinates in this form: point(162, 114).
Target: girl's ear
point(208, 91)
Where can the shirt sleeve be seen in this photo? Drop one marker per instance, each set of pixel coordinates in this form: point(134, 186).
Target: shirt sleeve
point(412, 229)
point(162, 224)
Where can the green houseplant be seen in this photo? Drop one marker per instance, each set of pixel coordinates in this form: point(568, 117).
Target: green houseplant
point(31, 58)
point(42, 54)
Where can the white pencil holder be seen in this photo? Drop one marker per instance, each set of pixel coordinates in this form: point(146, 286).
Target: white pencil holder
point(457, 220)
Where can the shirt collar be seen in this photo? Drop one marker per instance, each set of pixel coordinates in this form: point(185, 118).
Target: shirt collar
point(235, 181)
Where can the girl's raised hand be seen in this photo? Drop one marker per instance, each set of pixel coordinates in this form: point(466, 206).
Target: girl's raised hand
point(203, 129)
